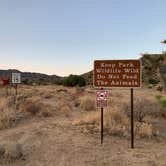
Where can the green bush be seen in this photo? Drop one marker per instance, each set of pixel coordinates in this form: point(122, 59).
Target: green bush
point(74, 80)
point(161, 100)
point(153, 81)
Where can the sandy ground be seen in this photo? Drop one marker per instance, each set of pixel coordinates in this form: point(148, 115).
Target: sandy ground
point(54, 141)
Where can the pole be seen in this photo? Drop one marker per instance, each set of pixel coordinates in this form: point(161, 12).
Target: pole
point(101, 125)
point(132, 119)
point(7, 93)
point(16, 89)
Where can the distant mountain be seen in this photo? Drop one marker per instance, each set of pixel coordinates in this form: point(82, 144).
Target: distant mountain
point(30, 78)
point(153, 73)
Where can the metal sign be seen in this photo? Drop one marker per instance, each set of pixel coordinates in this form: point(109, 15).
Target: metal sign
point(4, 82)
point(117, 73)
point(101, 98)
point(16, 78)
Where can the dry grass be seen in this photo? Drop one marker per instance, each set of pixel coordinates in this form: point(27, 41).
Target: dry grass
point(87, 103)
point(115, 123)
point(143, 130)
point(7, 119)
point(7, 114)
point(65, 109)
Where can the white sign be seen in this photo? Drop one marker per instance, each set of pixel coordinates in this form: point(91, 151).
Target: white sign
point(16, 78)
point(101, 98)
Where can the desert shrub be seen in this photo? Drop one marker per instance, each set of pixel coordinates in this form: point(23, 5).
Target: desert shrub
point(87, 103)
point(81, 81)
point(162, 101)
point(74, 80)
point(36, 108)
point(32, 107)
point(142, 108)
point(153, 81)
point(159, 88)
point(48, 95)
point(158, 97)
point(10, 151)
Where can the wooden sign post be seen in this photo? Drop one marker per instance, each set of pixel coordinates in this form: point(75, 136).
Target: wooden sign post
point(119, 74)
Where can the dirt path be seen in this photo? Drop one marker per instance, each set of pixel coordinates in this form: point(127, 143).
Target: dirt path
point(55, 142)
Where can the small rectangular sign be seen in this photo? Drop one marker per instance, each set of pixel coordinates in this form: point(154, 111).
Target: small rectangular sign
point(16, 78)
point(4, 82)
point(101, 98)
point(117, 73)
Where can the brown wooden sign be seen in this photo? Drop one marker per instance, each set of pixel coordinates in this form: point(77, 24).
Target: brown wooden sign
point(117, 73)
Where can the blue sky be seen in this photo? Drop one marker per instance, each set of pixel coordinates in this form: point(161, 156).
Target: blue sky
point(65, 36)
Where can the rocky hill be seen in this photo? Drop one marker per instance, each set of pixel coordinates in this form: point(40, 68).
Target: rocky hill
point(154, 69)
point(30, 78)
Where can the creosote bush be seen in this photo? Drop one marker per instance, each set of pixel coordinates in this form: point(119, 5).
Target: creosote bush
point(142, 108)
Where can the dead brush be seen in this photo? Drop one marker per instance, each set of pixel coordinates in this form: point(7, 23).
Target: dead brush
point(87, 103)
point(35, 107)
point(143, 108)
point(115, 123)
point(143, 130)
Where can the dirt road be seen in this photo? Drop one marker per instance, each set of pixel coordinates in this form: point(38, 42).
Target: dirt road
point(56, 142)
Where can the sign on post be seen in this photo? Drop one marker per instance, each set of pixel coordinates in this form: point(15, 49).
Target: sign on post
point(16, 78)
point(101, 98)
point(117, 73)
